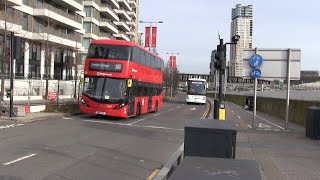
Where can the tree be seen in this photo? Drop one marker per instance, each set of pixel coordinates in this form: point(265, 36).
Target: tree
point(13, 21)
point(170, 79)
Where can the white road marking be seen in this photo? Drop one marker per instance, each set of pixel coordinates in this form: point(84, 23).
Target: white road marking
point(159, 127)
point(263, 126)
point(132, 125)
point(249, 126)
point(170, 109)
point(10, 126)
point(105, 122)
point(239, 117)
point(19, 159)
point(156, 115)
point(137, 121)
point(178, 107)
point(232, 111)
point(261, 118)
point(66, 118)
point(192, 109)
point(267, 129)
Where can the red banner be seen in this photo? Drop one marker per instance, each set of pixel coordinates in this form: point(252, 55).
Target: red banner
point(147, 37)
point(154, 37)
point(173, 62)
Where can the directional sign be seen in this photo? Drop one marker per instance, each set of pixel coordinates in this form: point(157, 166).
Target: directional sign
point(256, 60)
point(256, 73)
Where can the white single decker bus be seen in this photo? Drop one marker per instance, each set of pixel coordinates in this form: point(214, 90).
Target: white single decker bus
point(196, 91)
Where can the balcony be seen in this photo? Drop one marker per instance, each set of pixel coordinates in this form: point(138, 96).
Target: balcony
point(123, 14)
point(133, 3)
point(91, 36)
point(55, 36)
point(122, 25)
point(132, 14)
point(131, 34)
point(105, 35)
point(130, 23)
point(125, 5)
point(75, 5)
point(108, 25)
point(44, 11)
point(113, 3)
point(122, 36)
point(14, 2)
point(108, 11)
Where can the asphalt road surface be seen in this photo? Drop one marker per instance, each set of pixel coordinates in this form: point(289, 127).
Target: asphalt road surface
point(87, 147)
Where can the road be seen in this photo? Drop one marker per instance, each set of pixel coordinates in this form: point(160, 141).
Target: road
point(86, 147)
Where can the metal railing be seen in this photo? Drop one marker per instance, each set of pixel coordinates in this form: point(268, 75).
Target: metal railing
point(108, 21)
point(62, 12)
point(56, 32)
point(108, 6)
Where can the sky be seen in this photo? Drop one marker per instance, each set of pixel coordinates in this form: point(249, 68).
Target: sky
point(191, 28)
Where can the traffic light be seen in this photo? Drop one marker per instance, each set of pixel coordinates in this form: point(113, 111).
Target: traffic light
point(220, 56)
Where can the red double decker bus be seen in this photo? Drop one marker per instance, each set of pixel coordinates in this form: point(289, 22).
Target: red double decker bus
point(121, 79)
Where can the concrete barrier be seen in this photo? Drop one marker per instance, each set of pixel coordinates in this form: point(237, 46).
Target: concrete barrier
point(37, 108)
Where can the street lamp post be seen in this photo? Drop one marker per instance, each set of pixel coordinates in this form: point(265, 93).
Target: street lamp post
point(150, 25)
point(171, 89)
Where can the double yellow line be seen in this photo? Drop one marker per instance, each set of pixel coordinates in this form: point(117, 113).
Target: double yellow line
point(207, 110)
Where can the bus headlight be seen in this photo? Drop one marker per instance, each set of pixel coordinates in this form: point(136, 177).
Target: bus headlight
point(120, 105)
point(84, 102)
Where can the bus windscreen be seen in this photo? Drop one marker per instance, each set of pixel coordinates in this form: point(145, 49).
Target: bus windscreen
point(101, 51)
point(196, 88)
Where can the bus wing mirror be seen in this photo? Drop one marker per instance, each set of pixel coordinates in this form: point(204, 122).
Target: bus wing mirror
point(129, 83)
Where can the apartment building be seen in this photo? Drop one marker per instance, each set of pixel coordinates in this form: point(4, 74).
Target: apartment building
point(51, 37)
point(110, 19)
point(242, 25)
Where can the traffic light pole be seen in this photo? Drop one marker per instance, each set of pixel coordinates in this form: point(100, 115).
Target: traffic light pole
point(220, 76)
point(11, 74)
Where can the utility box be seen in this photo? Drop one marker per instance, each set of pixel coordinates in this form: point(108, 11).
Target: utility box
point(20, 111)
point(313, 122)
point(210, 138)
point(217, 169)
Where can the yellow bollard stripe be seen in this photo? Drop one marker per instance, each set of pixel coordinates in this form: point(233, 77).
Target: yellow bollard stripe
point(222, 114)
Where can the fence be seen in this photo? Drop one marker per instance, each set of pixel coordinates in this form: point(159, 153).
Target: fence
point(35, 89)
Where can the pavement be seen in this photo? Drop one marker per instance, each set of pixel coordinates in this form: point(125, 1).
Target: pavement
point(282, 154)
point(87, 147)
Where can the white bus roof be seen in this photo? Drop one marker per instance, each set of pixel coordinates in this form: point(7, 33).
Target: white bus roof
point(195, 79)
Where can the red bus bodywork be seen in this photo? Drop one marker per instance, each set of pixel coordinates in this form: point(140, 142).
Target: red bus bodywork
point(141, 75)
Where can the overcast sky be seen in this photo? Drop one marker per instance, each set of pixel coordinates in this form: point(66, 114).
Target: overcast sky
point(191, 27)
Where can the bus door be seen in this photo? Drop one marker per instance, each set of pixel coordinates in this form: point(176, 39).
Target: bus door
point(131, 99)
point(150, 92)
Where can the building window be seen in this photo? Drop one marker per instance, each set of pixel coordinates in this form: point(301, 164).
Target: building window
point(25, 2)
point(25, 22)
point(87, 27)
point(88, 11)
point(35, 52)
point(86, 42)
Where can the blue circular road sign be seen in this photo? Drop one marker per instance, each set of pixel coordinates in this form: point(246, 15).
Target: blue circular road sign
point(256, 73)
point(256, 60)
